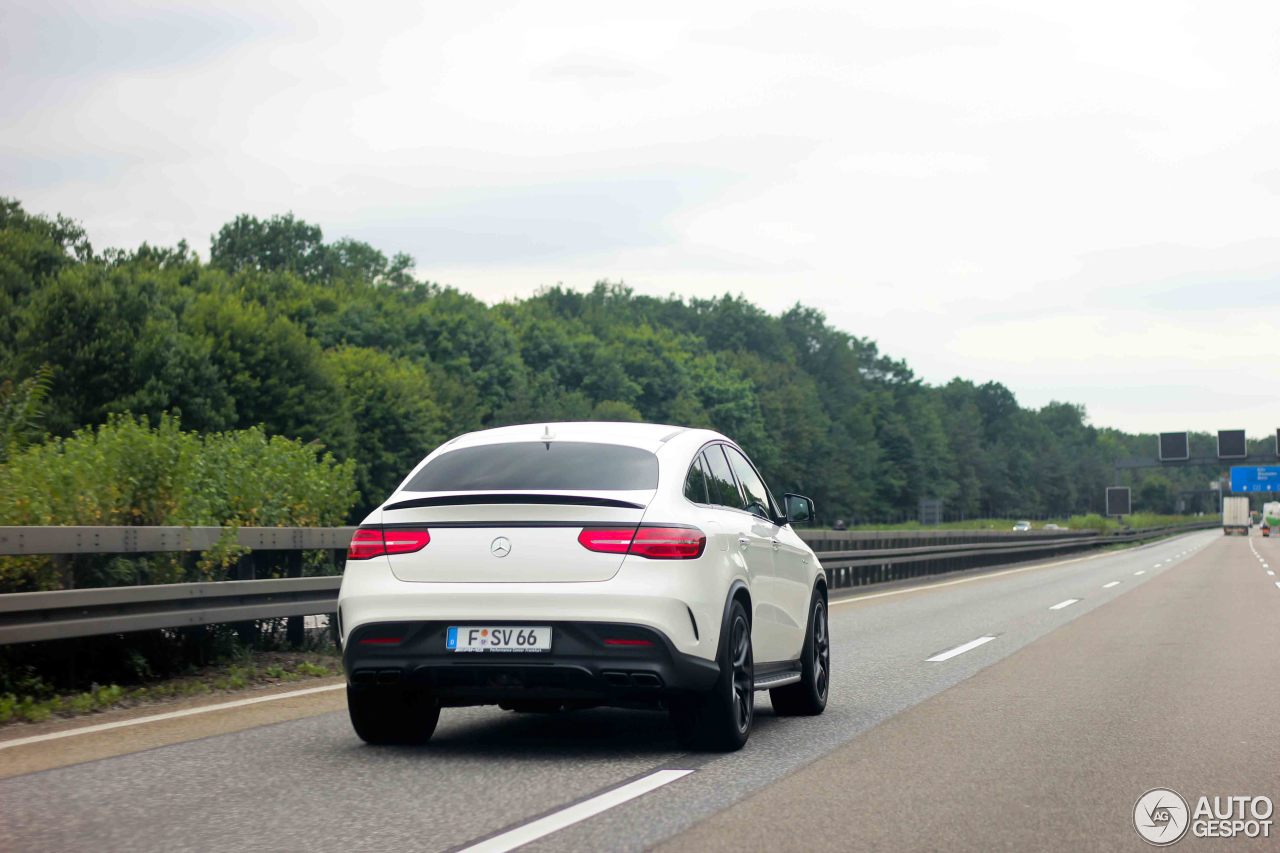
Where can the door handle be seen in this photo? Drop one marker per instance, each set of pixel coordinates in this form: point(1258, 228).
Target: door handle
point(743, 542)
point(776, 543)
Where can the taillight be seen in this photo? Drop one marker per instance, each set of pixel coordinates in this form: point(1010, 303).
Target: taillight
point(655, 543)
point(669, 543)
point(374, 542)
point(611, 541)
point(405, 541)
point(365, 543)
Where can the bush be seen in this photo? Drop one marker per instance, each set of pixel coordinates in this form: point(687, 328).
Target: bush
point(128, 472)
point(1136, 521)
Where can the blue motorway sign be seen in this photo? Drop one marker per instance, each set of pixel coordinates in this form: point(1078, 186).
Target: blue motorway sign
point(1255, 478)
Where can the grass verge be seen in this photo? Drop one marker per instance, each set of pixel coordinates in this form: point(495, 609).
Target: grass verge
point(254, 669)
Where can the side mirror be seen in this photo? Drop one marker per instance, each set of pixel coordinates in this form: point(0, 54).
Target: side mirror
point(799, 509)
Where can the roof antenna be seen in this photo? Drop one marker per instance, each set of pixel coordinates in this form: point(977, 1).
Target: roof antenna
point(547, 436)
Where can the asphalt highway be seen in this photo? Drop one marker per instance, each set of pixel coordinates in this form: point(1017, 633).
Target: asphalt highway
point(1021, 708)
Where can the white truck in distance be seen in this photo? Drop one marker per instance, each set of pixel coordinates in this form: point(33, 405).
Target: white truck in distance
point(1235, 516)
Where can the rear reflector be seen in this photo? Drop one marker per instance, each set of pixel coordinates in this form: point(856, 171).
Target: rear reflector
point(370, 542)
point(655, 543)
point(622, 641)
point(380, 641)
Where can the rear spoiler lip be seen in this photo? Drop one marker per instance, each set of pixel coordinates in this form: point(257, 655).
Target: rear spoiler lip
point(527, 499)
point(503, 524)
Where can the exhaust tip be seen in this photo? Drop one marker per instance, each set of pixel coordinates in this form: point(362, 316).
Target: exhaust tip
point(646, 679)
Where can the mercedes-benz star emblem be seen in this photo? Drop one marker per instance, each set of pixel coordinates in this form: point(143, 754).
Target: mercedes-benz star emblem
point(500, 547)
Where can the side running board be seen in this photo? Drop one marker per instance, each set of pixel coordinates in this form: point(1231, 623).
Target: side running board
point(776, 679)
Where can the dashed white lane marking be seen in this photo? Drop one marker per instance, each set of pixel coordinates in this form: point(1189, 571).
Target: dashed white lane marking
point(1273, 574)
point(1278, 583)
point(1109, 585)
point(959, 650)
point(1062, 604)
point(1140, 572)
point(521, 835)
point(1156, 566)
point(170, 715)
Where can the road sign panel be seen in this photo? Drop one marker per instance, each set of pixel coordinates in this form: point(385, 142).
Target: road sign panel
point(1232, 444)
point(1118, 501)
point(1174, 447)
point(1255, 478)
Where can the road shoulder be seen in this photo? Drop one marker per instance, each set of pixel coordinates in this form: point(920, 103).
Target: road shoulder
point(202, 717)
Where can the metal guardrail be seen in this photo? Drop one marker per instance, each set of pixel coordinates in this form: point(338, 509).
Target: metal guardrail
point(28, 617)
point(136, 540)
point(875, 557)
point(974, 549)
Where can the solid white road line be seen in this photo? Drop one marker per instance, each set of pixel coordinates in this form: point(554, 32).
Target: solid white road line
point(1109, 585)
point(170, 715)
point(1067, 603)
point(1140, 572)
point(521, 835)
point(959, 650)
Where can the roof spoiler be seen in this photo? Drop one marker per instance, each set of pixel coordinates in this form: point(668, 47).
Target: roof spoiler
point(508, 498)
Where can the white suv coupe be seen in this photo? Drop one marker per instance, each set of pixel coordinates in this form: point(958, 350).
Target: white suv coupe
point(567, 565)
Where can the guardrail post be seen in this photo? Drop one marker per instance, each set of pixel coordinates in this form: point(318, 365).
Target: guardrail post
point(294, 630)
point(246, 631)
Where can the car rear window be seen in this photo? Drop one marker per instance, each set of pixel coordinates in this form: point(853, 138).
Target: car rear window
point(534, 465)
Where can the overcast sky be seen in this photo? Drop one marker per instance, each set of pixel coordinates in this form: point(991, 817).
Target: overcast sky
point(1080, 200)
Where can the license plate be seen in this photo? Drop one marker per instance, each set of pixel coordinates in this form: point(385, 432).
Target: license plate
point(498, 638)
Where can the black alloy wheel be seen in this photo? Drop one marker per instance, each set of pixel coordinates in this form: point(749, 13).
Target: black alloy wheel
point(808, 696)
point(720, 719)
point(743, 675)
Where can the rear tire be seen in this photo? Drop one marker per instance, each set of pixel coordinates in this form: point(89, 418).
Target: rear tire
point(720, 720)
point(385, 715)
point(808, 696)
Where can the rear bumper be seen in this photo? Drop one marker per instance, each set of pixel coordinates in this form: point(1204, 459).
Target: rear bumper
point(579, 667)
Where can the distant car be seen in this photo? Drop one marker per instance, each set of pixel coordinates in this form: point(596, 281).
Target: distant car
point(1021, 526)
point(570, 565)
point(1266, 529)
point(1052, 527)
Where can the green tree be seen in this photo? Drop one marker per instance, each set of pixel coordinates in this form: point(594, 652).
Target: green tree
point(21, 412)
point(393, 404)
point(278, 243)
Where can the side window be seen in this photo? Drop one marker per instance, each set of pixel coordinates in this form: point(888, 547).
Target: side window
point(753, 487)
point(695, 483)
point(723, 490)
